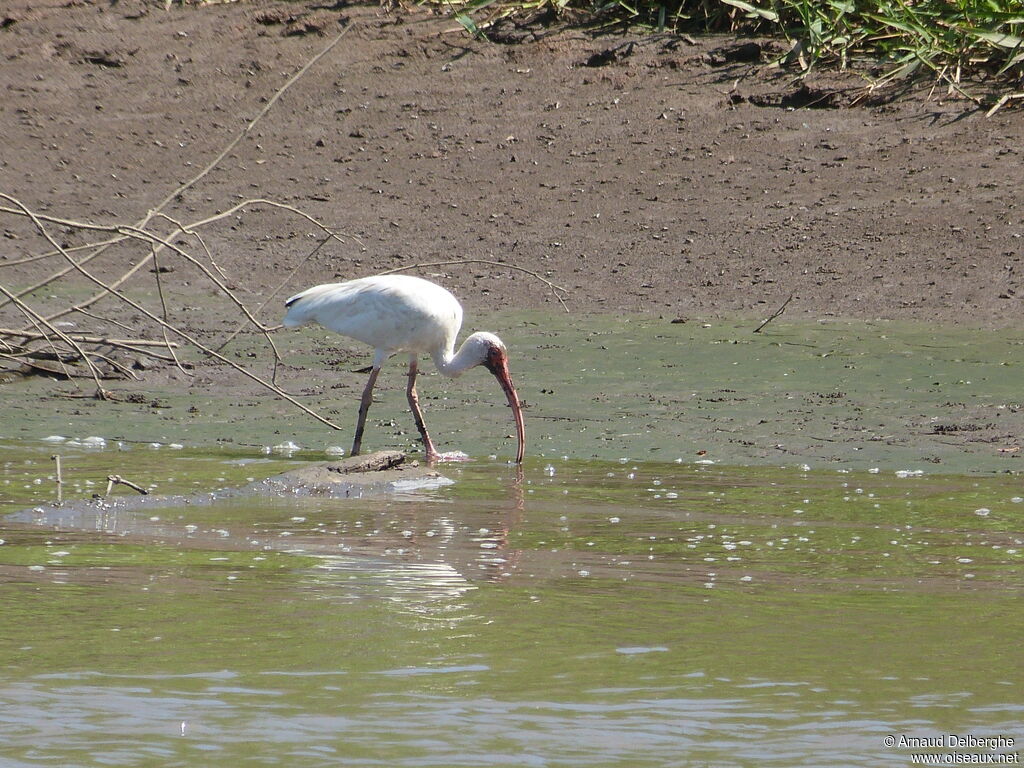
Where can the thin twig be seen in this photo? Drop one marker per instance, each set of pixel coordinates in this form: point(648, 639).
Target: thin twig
point(113, 480)
point(51, 254)
point(128, 343)
point(134, 232)
point(272, 294)
point(59, 273)
point(60, 479)
point(775, 314)
point(1002, 102)
point(70, 357)
point(38, 320)
point(185, 229)
point(102, 319)
point(175, 330)
point(163, 306)
point(62, 373)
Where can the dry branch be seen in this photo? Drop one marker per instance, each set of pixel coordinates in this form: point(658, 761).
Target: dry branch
point(38, 221)
point(39, 321)
point(775, 314)
point(127, 343)
point(113, 480)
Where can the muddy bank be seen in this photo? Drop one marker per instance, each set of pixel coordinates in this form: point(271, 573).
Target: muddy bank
point(648, 174)
point(667, 178)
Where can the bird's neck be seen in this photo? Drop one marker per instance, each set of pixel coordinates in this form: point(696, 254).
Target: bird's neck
point(452, 364)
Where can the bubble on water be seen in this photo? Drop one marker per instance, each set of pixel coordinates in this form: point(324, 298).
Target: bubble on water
point(805, 467)
point(874, 470)
point(583, 573)
point(613, 520)
point(909, 472)
point(964, 560)
point(746, 578)
point(54, 439)
point(549, 470)
point(1017, 499)
point(334, 450)
point(983, 511)
point(286, 448)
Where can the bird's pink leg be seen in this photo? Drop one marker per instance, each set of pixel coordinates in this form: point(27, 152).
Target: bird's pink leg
point(414, 405)
point(364, 406)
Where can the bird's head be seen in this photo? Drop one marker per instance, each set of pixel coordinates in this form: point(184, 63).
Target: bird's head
point(493, 356)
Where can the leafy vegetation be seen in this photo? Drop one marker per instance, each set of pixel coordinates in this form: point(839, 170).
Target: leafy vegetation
point(950, 39)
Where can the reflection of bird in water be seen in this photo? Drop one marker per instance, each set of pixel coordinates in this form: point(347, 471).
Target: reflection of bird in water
point(401, 313)
point(421, 554)
point(513, 518)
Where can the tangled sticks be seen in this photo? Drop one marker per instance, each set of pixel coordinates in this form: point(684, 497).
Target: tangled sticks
point(43, 346)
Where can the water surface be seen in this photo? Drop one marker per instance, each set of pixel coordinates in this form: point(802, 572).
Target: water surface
point(588, 613)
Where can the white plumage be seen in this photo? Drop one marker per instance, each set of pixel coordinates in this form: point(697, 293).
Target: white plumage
point(401, 313)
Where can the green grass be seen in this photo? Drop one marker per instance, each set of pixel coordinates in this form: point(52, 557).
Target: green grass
point(949, 40)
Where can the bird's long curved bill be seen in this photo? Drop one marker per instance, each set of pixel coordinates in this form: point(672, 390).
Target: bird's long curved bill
point(500, 371)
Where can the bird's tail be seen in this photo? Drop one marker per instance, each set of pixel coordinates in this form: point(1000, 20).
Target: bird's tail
point(299, 308)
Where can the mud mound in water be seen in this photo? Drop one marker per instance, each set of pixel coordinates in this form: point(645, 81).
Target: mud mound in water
point(380, 472)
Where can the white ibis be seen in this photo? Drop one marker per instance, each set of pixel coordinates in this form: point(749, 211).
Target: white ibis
point(401, 313)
